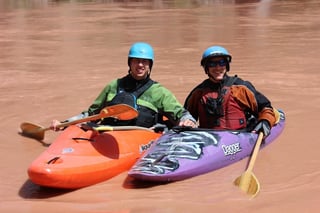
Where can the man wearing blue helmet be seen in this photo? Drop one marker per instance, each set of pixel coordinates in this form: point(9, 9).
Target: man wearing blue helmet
point(225, 102)
point(151, 99)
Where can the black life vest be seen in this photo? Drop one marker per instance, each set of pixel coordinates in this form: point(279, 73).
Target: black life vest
point(146, 117)
point(219, 110)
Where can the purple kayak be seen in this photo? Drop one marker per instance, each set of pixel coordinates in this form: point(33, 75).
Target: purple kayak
point(186, 153)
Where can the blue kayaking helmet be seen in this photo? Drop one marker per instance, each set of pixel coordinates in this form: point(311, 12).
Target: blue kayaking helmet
point(141, 50)
point(215, 51)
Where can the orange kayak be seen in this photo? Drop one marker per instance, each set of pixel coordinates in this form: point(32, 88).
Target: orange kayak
point(79, 158)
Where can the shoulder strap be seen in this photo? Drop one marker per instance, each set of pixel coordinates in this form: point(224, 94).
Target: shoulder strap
point(227, 84)
point(139, 91)
point(231, 81)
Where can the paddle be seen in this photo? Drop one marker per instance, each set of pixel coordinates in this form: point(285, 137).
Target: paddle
point(248, 181)
point(119, 111)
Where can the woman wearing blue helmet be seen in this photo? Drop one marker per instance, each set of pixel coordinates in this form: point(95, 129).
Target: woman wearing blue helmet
point(225, 102)
point(151, 99)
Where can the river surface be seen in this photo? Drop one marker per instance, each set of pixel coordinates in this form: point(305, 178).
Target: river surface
point(56, 56)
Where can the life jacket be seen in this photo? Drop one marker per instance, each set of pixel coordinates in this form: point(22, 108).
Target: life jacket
point(146, 117)
point(219, 110)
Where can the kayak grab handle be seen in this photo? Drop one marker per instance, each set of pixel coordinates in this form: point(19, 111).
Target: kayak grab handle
point(55, 160)
point(85, 139)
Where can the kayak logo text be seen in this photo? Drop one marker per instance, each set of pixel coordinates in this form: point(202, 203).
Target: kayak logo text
point(146, 146)
point(231, 149)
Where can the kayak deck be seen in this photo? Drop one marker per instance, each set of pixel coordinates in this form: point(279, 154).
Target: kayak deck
point(179, 155)
point(79, 158)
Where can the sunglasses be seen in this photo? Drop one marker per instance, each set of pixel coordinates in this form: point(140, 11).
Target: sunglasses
point(221, 63)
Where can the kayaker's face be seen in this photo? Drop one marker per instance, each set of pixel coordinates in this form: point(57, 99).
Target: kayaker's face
point(139, 68)
point(217, 67)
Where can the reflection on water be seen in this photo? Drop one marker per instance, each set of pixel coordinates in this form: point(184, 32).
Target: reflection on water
point(56, 56)
point(146, 4)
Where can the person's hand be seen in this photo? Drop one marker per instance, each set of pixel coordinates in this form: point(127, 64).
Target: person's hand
point(54, 125)
point(262, 126)
point(188, 122)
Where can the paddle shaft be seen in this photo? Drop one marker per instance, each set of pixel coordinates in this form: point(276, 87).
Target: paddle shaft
point(255, 152)
point(109, 111)
point(81, 120)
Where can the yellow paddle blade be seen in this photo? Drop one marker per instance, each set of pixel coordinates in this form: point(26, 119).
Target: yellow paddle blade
point(248, 183)
point(32, 130)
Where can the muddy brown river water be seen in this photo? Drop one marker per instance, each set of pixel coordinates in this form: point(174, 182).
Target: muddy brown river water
point(56, 56)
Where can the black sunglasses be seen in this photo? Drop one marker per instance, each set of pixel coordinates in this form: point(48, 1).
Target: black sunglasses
point(221, 63)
